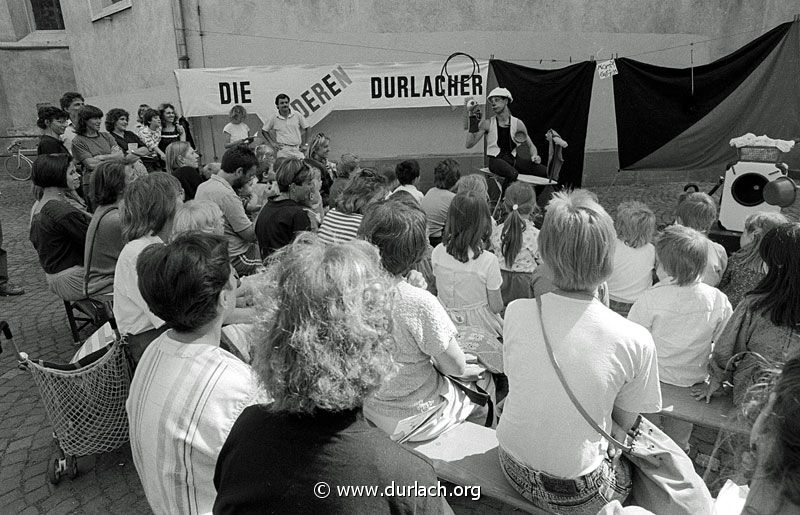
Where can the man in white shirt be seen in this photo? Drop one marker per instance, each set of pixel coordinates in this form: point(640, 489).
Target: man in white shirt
point(187, 392)
point(71, 102)
point(287, 131)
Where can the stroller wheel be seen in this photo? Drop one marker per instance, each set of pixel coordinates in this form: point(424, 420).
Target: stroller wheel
point(72, 467)
point(54, 471)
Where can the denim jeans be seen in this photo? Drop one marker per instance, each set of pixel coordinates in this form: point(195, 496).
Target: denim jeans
point(582, 495)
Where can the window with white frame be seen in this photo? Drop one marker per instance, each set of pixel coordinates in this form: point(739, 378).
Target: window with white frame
point(103, 8)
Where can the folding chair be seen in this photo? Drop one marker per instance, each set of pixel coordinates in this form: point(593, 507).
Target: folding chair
point(84, 313)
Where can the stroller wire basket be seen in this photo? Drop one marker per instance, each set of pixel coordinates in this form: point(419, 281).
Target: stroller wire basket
point(86, 405)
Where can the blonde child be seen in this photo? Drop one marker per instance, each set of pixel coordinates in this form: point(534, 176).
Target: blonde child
point(468, 278)
point(684, 315)
point(634, 255)
point(699, 212)
point(515, 243)
point(746, 268)
point(236, 131)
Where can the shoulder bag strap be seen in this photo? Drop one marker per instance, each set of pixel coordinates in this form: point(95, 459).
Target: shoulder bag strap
point(571, 395)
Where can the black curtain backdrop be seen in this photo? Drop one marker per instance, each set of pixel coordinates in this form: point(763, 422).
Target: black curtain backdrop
point(551, 99)
point(655, 104)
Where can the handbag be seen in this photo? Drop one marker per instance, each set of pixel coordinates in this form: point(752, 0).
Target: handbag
point(664, 479)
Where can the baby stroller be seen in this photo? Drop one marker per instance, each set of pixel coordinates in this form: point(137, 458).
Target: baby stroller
point(84, 400)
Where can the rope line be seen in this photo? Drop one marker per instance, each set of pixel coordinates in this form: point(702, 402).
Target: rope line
point(448, 56)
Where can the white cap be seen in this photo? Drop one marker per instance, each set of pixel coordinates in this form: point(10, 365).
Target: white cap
point(501, 92)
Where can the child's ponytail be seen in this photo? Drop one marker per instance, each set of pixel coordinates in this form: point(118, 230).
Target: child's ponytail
point(520, 202)
point(511, 238)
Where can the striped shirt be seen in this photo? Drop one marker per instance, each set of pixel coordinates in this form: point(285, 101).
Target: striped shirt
point(338, 227)
point(183, 401)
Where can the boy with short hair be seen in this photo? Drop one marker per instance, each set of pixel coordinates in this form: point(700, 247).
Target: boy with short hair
point(684, 315)
point(407, 173)
point(698, 211)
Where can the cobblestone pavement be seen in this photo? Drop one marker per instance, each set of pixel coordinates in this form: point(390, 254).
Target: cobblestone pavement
point(108, 482)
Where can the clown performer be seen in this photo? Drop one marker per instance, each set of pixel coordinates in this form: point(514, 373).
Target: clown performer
point(504, 134)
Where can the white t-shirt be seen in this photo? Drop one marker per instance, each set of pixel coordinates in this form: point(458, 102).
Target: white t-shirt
point(238, 131)
point(633, 271)
point(605, 359)
point(130, 310)
point(418, 196)
point(685, 321)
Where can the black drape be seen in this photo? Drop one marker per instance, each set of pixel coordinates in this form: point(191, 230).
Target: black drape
point(552, 99)
point(655, 104)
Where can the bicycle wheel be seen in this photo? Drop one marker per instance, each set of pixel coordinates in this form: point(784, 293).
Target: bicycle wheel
point(18, 168)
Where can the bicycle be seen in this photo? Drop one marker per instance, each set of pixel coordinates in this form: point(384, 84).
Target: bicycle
point(19, 165)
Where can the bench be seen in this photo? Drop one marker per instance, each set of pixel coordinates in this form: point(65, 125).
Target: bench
point(677, 402)
point(467, 455)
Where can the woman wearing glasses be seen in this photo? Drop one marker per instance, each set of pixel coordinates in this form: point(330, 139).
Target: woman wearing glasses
point(288, 213)
point(317, 157)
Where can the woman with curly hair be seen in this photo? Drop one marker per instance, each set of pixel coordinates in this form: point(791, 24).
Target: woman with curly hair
point(319, 354)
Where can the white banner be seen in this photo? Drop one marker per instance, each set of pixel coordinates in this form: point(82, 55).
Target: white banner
point(315, 91)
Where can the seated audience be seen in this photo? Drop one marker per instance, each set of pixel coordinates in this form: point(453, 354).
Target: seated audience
point(182, 163)
point(285, 215)
point(130, 144)
point(549, 453)
point(699, 212)
point(265, 155)
point(319, 354)
point(104, 238)
point(58, 229)
point(148, 209)
point(349, 165)
point(745, 267)
point(53, 121)
point(171, 130)
point(238, 167)
point(342, 221)
point(473, 182)
point(391, 177)
point(763, 329)
point(514, 243)
point(775, 439)
point(150, 133)
point(437, 199)
point(198, 215)
point(186, 392)
point(407, 173)
point(468, 278)
point(419, 402)
point(90, 147)
point(634, 255)
point(317, 157)
point(71, 102)
point(684, 315)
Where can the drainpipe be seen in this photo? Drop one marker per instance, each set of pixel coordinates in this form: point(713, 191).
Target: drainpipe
point(179, 22)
